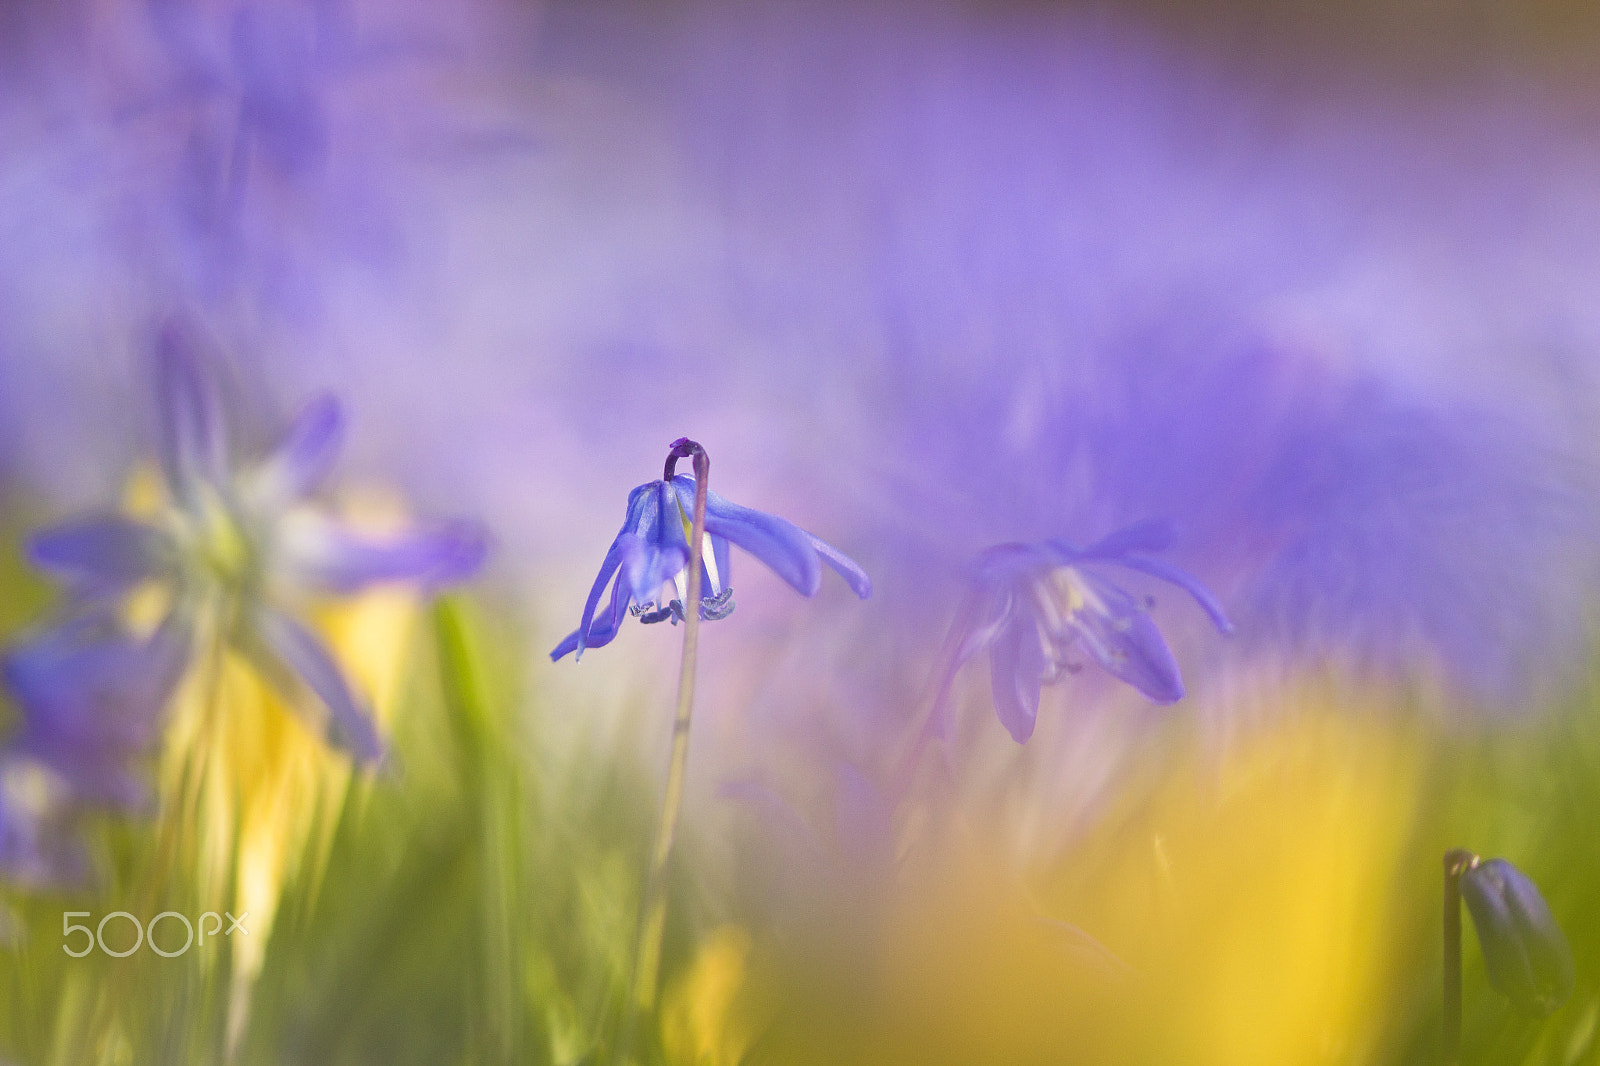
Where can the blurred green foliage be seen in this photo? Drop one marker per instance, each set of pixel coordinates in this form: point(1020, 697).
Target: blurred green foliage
point(477, 901)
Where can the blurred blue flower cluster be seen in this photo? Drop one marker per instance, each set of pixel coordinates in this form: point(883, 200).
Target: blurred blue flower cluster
point(232, 550)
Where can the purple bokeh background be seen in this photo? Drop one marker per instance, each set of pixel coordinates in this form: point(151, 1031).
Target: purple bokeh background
point(922, 279)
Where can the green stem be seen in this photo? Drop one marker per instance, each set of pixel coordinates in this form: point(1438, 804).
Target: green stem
point(653, 906)
point(1456, 861)
point(177, 813)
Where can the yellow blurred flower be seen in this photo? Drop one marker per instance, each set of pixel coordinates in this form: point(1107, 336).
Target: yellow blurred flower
point(705, 1015)
point(1248, 896)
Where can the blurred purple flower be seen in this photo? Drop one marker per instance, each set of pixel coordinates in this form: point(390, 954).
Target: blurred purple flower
point(259, 79)
point(268, 67)
point(653, 548)
point(1036, 607)
point(93, 698)
point(235, 545)
point(37, 848)
point(1527, 956)
point(271, 63)
point(1355, 521)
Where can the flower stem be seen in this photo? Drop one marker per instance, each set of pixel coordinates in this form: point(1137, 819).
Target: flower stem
point(653, 906)
point(1456, 862)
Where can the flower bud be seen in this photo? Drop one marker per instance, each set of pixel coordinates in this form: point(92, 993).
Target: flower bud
point(1524, 950)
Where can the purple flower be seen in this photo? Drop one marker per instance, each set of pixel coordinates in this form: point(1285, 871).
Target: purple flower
point(652, 549)
point(1037, 608)
point(92, 699)
point(262, 165)
point(234, 549)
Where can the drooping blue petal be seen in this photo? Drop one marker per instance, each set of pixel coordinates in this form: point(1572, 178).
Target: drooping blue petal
point(101, 555)
point(644, 503)
point(303, 457)
point(640, 501)
point(844, 566)
point(293, 659)
point(193, 434)
point(644, 569)
point(568, 645)
point(1121, 637)
point(662, 549)
point(1124, 548)
point(335, 558)
point(1180, 577)
point(998, 595)
point(785, 548)
point(603, 628)
point(1524, 950)
point(1016, 672)
point(628, 551)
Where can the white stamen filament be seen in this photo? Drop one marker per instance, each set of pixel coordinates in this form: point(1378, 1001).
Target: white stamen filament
point(680, 580)
point(710, 558)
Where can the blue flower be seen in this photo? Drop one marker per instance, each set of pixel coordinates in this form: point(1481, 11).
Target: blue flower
point(235, 548)
point(1036, 608)
point(652, 549)
point(1524, 950)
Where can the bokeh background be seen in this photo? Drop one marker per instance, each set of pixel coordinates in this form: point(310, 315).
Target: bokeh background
point(1316, 284)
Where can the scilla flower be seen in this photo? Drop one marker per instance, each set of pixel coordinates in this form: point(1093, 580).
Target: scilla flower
point(1524, 950)
point(228, 556)
point(652, 550)
point(215, 621)
point(1038, 609)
